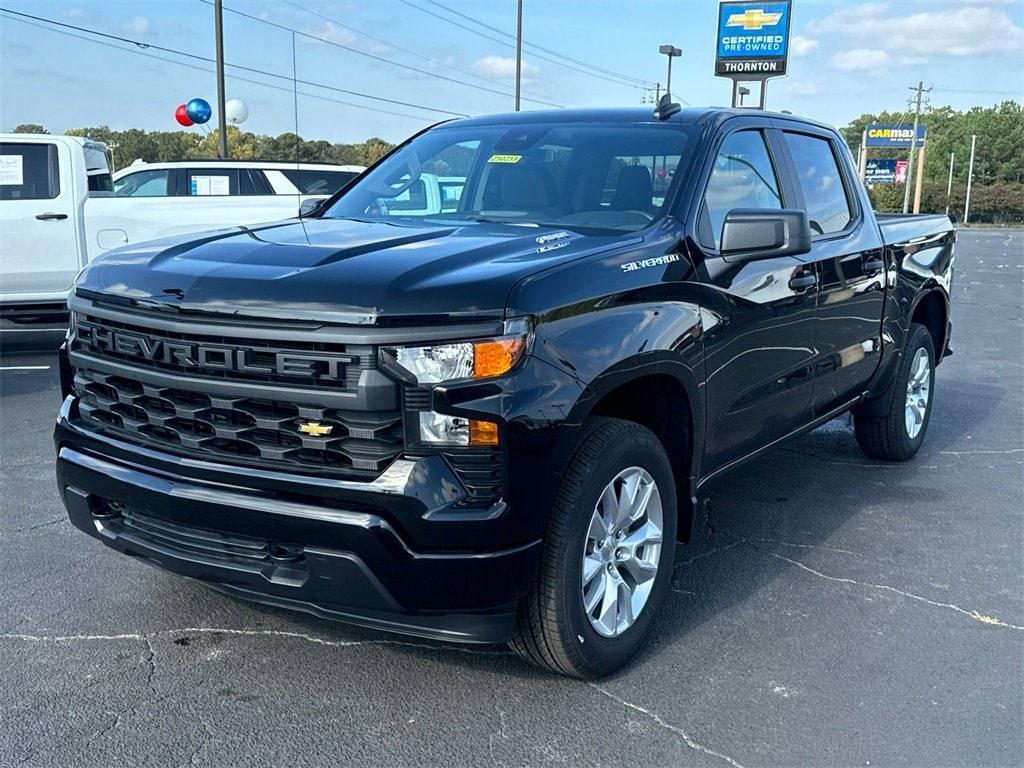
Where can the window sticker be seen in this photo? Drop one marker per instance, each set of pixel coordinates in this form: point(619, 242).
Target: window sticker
point(505, 158)
point(211, 185)
point(12, 170)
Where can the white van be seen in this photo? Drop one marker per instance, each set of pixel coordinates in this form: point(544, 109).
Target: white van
point(45, 182)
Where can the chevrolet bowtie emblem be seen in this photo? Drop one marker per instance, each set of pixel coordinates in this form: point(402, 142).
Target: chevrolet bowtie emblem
point(315, 428)
point(753, 18)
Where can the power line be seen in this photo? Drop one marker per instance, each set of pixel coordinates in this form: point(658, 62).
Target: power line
point(208, 60)
point(975, 90)
point(419, 55)
point(508, 44)
point(373, 56)
point(503, 33)
point(210, 71)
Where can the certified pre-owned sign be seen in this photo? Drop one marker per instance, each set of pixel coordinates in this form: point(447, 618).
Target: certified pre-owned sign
point(753, 39)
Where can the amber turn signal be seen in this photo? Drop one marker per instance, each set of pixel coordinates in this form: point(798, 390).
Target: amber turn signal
point(483, 433)
point(496, 356)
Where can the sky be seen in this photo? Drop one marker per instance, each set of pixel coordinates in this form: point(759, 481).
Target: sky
point(847, 58)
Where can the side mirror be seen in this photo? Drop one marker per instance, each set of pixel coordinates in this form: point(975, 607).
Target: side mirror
point(764, 233)
point(307, 207)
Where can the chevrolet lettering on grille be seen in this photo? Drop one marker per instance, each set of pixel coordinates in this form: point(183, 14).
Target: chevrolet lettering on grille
point(211, 357)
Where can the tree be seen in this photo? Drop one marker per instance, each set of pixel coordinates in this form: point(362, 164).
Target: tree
point(29, 128)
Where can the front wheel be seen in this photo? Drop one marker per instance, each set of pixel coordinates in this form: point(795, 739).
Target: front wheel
point(608, 554)
point(898, 434)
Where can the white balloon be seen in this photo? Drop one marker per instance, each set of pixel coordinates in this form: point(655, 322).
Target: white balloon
point(236, 111)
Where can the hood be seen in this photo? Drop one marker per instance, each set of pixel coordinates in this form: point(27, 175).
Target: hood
point(353, 271)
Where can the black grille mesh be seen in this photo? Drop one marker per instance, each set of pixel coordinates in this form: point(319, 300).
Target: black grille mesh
point(234, 428)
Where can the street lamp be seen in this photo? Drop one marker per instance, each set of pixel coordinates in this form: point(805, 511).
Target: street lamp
point(743, 91)
point(671, 51)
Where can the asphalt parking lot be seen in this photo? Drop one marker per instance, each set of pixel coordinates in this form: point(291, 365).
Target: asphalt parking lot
point(832, 611)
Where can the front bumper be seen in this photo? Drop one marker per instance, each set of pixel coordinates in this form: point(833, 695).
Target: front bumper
point(320, 546)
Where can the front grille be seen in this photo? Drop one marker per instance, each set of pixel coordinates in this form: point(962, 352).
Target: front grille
point(259, 354)
point(194, 540)
point(238, 429)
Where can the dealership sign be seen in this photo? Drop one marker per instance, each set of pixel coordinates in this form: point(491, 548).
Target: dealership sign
point(753, 39)
point(894, 136)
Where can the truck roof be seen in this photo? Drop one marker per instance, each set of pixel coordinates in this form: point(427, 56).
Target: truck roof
point(687, 116)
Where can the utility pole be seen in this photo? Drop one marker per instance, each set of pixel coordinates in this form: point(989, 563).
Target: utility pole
point(970, 175)
point(949, 184)
point(519, 49)
point(921, 90)
point(222, 122)
point(863, 164)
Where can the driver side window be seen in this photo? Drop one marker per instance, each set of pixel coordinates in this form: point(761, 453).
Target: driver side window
point(742, 177)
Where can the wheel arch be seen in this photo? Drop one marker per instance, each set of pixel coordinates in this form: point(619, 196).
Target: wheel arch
point(660, 393)
point(931, 309)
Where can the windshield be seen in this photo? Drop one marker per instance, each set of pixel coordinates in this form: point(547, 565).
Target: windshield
point(606, 176)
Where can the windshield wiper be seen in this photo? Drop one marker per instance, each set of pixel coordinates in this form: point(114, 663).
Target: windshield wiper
point(495, 220)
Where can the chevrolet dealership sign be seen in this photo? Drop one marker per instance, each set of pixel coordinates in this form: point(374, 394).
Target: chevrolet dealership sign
point(753, 39)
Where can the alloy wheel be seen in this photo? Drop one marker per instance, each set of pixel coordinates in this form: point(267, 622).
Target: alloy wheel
point(621, 552)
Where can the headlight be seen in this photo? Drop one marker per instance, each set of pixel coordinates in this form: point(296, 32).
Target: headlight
point(480, 359)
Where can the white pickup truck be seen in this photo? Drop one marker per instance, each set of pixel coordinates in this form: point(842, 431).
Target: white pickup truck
point(60, 207)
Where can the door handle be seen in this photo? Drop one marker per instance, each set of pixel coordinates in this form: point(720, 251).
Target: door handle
point(52, 216)
point(802, 282)
point(873, 266)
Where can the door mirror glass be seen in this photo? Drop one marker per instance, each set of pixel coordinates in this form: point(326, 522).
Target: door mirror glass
point(755, 233)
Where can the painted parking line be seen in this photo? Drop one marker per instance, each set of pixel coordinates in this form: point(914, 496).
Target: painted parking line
point(25, 367)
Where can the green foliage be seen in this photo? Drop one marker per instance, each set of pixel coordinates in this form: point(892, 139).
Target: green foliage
point(164, 146)
point(29, 128)
point(887, 198)
point(997, 191)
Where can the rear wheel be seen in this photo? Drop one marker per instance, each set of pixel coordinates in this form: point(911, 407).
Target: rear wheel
point(898, 434)
point(608, 554)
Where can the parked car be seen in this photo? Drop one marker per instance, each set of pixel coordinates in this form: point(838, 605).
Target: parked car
point(495, 422)
point(154, 200)
point(66, 208)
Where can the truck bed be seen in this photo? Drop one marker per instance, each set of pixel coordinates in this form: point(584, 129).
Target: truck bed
point(906, 227)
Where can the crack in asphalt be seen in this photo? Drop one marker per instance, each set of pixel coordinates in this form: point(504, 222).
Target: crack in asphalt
point(687, 739)
point(972, 614)
point(148, 637)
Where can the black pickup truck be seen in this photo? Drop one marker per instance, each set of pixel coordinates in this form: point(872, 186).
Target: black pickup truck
point(492, 419)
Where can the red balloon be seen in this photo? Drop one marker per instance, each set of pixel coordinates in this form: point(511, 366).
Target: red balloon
point(182, 116)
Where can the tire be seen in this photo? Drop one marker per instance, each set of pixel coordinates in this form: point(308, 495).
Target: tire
point(892, 436)
point(553, 629)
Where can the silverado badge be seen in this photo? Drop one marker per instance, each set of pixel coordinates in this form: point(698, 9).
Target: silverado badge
point(315, 428)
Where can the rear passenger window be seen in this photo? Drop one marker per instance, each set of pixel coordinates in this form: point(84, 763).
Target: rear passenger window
point(29, 172)
point(212, 182)
point(828, 206)
point(743, 177)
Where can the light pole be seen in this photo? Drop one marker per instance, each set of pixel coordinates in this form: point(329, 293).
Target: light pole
point(519, 49)
point(671, 52)
point(222, 123)
point(742, 91)
point(970, 177)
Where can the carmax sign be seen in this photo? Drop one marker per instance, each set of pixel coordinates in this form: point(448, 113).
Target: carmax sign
point(894, 136)
point(753, 39)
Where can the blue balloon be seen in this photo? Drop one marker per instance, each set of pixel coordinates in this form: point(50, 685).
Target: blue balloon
point(198, 110)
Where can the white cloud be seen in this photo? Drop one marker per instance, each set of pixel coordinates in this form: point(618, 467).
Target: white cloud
point(861, 58)
point(139, 25)
point(503, 67)
point(961, 31)
point(802, 46)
